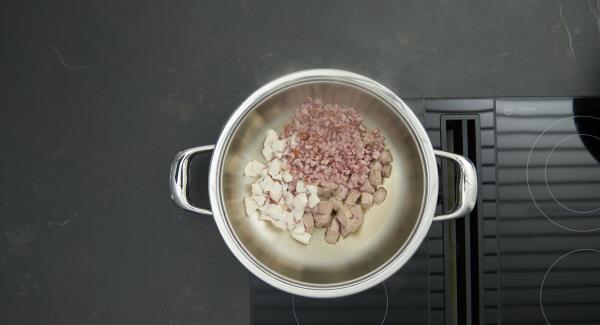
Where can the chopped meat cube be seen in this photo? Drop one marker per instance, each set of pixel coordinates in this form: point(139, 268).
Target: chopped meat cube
point(309, 223)
point(375, 177)
point(326, 189)
point(366, 200)
point(376, 165)
point(341, 192)
point(321, 220)
point(324, 207)
point(386, 157)
point(332, 234)
point(343, 215)
point(379, 195)
point(367, 187)
point(336, 203)
point(354, 222)
point(352, 197)
point(386, 171)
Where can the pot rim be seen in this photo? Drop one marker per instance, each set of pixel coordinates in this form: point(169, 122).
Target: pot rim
point(385, 270)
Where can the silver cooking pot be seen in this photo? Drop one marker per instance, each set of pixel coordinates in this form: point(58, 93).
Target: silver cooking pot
point(391, 232)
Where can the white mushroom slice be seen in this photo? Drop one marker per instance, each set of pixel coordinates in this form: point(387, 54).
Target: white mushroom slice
point(268, 153)
point(275, 191)
point(300, 201)
point(313, 200)
point(278, 145)
point(299, 228)
point(288, 198)
point(275, 169)
point(300, 188)
point(259, 199)
point(289, 218)
point(271, 136)
point(303, 238)
point(256, 189)
point(253, 168)
point(275, 214)
point(278, 154)
point(266, 184)
point(251, 207)
point(313, 197)
point(298, 214)
point(287, 177)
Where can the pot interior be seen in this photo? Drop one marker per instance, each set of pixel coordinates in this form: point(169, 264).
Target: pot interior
point(387, 227)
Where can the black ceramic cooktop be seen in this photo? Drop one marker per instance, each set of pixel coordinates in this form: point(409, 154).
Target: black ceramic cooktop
point(528, 253)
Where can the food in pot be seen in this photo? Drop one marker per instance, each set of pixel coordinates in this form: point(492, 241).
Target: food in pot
point(325, 171)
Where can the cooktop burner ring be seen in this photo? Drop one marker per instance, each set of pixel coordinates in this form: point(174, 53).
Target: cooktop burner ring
point(546, 173)
point(558, 260)
point(529, 186)
point(387, 305)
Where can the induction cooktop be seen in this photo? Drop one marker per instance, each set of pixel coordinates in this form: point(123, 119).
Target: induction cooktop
point(529, 253)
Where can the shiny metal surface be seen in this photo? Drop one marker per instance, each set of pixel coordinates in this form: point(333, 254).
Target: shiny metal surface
point(178, 178)
point(467, 186)
point(392, 231)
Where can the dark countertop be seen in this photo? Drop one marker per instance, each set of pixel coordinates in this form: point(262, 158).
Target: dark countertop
point(97, 97)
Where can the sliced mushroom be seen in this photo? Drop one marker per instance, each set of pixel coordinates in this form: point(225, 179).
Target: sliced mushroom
point(386, 157)
point(300, 188)
point(304, 238)
point(253, 168)
point(287, 177)
point(332, 234)
point(352, 197)
point(300, 201)
point(274, 168)
point(379, 195)
point(251, 207)
point(313, 198)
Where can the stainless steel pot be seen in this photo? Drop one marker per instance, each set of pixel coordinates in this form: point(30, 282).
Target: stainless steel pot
point(392, 231)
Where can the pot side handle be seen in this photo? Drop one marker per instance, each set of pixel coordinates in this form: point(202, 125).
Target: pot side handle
point(467, 186)
point(178, 178)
